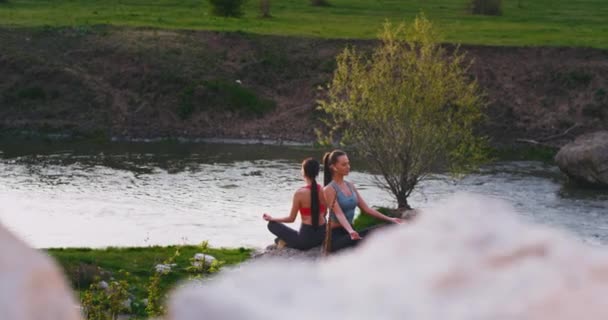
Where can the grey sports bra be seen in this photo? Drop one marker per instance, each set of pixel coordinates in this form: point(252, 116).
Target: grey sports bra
point(346, 203)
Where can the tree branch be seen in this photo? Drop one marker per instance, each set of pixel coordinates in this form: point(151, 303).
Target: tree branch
point(541, 141)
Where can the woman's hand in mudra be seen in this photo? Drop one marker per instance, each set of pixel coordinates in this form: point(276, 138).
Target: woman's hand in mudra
point(354, 235)
point(396, 220)
point(266, 217)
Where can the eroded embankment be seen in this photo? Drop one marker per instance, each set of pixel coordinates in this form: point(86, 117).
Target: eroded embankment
point(141, 83)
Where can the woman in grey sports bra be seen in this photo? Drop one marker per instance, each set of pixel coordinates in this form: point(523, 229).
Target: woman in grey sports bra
point(343, 198)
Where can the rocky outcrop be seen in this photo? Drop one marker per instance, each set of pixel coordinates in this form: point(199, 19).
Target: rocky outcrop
point(272, 252)
point(585, 159)
point(470, 258)
point(31, 286)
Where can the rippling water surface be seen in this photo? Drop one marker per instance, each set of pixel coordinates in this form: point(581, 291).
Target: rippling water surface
point(133, 194)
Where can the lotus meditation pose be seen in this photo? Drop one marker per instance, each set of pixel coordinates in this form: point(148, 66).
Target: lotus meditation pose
point(309, 201)
point(343, 199)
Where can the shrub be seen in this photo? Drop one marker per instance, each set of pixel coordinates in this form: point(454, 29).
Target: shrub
point(265, 8)
point(319, 3)
point(101, 303)
point(236, 98)
point(410, 108)
point(155, 307)
point(186, 106)
point(227, 8)
point(572, 79)
point(600, 94)
point(364, 221)
point(486, 7)
point(31, 93)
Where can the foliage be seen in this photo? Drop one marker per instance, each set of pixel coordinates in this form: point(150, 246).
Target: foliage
point(364, 221)
point(523, 153)
point(237, 98)
point(138, 264)
point(103, 303)
point(319, 3)
point(155, 296)
point(409, 109)
point(572, 79)
point(227, 8)
point(32, 93)
point(186, 105)
point(265, 9)
point(200, 267)
point(487, 7)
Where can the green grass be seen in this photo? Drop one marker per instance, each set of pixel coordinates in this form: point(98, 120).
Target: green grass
point(523, 153)
point(538, 22)
point(139, 262)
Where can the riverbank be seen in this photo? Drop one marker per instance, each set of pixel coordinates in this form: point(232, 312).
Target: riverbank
point(138, 265)
point(105, 83)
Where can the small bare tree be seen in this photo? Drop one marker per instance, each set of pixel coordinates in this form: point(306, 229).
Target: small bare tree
point(265, 8)
point(409, 108)
point(488, 7)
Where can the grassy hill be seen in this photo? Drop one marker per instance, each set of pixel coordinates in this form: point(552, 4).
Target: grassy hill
point(580, 23)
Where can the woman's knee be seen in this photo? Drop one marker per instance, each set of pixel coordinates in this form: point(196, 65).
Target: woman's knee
point(273, 226)
point(342, 243)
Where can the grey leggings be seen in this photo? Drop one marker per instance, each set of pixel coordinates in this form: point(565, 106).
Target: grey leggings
point(307, 238)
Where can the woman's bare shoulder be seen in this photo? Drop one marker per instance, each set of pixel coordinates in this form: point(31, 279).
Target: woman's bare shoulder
point(328, 188)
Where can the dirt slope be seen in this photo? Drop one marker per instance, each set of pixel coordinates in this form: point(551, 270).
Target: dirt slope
point(140, 83)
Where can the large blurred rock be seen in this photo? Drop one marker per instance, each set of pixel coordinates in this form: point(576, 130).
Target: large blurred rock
point(586, 159)
point(470, 258)
point(31, 286)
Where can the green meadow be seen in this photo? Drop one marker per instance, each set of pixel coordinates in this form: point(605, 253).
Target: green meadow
point(136, 266)
point(581, 23)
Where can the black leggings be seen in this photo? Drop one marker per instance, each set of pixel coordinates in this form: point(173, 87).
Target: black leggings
point(340, 239)
point(308, 237)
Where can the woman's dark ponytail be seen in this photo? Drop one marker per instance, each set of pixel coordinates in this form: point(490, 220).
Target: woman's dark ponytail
point(311, 170)
point(314, 203)
point(326, 169)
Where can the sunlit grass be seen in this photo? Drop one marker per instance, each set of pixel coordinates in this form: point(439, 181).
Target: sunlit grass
point(538, 22)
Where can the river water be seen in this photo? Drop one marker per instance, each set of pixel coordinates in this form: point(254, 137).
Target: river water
point(59, 194)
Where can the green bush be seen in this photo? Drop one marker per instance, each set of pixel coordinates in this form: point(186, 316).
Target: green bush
point(572, 79)
point(265, 9)
point(237, 98)
point(319, 3)
point(31, 93)
point(601, 94)
point(105, 303)
point(186, 106)
point(486, 7)
point(364, 221)
point(227, 8)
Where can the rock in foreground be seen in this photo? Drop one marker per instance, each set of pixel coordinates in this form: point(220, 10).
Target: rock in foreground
point(31, 286)
point(470, 258)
